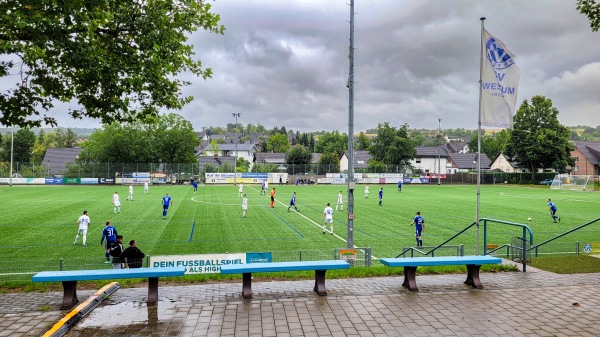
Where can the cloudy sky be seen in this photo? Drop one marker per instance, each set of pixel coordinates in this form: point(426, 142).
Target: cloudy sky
point(284, 63)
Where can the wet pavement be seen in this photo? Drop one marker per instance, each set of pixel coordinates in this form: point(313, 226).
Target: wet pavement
point(535, 303)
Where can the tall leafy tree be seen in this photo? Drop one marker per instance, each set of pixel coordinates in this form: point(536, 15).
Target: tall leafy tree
point(66, 138)
point(392, 146)
point(24, 139)
point(491, 145)
point(299, 157)
point(538, 140)
point(363, 142)
point(169, 139)
point(118, 59)
point(278, 143)
point(329, 162)
point(332, 142)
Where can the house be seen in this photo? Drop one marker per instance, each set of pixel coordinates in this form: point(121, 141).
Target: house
point(587, 157)
point(56, 159)
point(456, 147)
point(361, 160)
point(430, 159)
point(502, 163)
point(245, 151)
point(269, 158)
point(464, 162)
point(215, 162)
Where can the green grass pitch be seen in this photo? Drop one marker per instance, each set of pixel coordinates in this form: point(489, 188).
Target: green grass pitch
point(38, 222)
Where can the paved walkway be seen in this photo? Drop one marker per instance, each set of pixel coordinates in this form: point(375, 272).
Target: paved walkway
point(535, 303)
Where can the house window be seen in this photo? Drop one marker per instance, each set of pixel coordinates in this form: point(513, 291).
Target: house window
point(418, 160)
point(576, 159)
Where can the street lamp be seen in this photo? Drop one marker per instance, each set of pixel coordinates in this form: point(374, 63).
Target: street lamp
point(236, 115)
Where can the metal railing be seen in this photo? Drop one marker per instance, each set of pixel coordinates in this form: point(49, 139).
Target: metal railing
point(536, 247)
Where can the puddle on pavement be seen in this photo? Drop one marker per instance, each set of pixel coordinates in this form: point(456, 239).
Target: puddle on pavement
point(126, 313)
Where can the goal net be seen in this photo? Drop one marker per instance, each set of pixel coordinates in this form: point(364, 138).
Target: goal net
point(573, 182)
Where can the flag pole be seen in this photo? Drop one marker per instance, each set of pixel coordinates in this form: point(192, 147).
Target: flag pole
point(477, 214)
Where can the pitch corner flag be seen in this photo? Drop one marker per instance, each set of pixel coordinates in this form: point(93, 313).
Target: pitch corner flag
point(499, 83)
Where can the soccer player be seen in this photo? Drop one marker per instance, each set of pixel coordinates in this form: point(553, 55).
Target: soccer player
point(166, 201)
point(195, 185)
point(419, 223)
point(130, 196)
point(340, 202)
point(328, 218)
point(273, 198)
point(399, 186)
point(380, 196)
point(552, 208)
point(293, 202)
point(366, 191)
point(241, 190)
point(244, 206)
point(146, 187)
point(263, 188)
point(110, 233)
point(83, 223)
point(116, 202)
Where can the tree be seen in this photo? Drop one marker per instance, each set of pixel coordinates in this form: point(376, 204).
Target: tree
point(242, 165)
point(298, 157)
point(491, 145)
point(66, 139)
point(278, 143)
point(24, 139)
point(591, 9)
point(332, 142)
point(538, 140)
point(329, 162)
point(392, 146)
point(363, 142)
point(119, 60)
point(168, 139)
point(43, 142)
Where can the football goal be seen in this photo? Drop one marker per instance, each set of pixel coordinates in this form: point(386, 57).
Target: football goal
point(573, 182)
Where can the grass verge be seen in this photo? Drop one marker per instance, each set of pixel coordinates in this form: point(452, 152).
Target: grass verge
point(567, 264)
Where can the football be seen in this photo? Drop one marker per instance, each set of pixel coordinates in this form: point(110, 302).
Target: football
point(529, 219)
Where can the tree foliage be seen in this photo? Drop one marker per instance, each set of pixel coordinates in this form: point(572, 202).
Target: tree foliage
point(170, 139)
point(591, 9)
point(278, 143)
point(118, 59)
point(22, 146)
point(363, 142)
point(298, 155)
point(329, 162)
point(538, 140)
point(332, 142)
point(491, 145)
point(392, 146)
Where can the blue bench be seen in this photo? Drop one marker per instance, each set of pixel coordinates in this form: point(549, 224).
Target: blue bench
point(69, 280)
point(320, 267)
point(410, 265)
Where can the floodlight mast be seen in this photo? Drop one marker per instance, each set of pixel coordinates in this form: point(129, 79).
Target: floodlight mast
point(351, 184)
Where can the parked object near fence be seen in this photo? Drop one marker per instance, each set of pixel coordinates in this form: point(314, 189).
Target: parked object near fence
point(69, 280)
point(320, 267)
point(410, 265)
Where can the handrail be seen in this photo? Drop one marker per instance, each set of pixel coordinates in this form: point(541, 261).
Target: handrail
point(524, 237)
point(485, 220)
point(561, 235)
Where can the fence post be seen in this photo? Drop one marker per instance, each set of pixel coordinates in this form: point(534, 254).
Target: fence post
point(461, 250)
point(576, 247)
point(60, 264)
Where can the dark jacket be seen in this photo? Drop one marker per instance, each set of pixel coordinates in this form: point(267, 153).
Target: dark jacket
point(134, 256)
point(115, 251)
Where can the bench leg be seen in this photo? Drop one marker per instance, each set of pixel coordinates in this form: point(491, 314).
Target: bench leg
point(247, 285)
point(69, 294)
point(473, 276)
point(152, 290)
point(320, 283)
point(410, 281)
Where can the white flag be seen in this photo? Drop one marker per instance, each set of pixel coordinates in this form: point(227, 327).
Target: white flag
point(499, 84)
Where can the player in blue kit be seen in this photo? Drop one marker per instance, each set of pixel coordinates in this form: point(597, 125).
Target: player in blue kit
point(110, 233)
point(293, 202)
point(552, 208)
point(166, 201)
point(195, 185)
point(419, 223)
point(380, 196)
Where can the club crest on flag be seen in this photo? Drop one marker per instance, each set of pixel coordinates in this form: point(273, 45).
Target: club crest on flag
point(496, 54)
